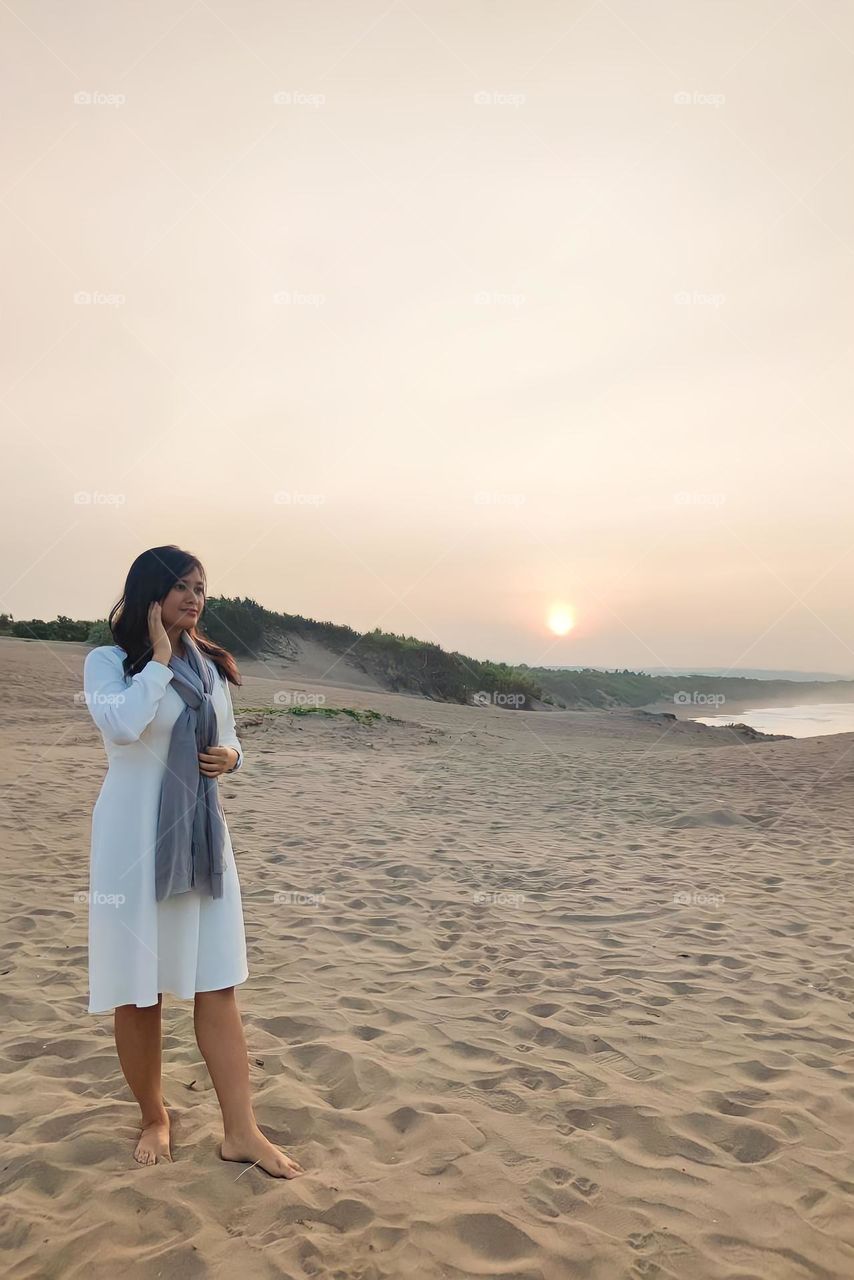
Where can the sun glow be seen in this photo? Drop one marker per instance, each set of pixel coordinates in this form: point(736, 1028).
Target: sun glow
point(560, 620)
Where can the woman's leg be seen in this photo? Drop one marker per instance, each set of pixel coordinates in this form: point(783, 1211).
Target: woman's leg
point(138, 1040)
point(219, 1032)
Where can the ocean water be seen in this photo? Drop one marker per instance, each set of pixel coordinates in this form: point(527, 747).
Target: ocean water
point(799, 722)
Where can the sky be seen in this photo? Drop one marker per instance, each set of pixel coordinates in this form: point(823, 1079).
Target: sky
point(439, 318)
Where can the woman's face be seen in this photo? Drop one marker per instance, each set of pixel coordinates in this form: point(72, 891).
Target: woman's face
point(183, 604)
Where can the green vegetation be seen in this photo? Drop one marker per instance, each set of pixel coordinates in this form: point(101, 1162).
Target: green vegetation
point(61, 628)
point(100, 633)
point(591, 688)
point(238, 625)
point(361, 717)
point(406, 664)
point(398, 662)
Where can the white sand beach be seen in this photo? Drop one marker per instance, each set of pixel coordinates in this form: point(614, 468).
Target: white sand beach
point(531, 996)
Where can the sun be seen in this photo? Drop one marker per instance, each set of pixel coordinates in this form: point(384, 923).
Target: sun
point(560, 620)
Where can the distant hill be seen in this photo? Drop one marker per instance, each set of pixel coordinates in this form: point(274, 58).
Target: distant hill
point(399, 663)
point(693, 692)
point(329, 652)
point(749, 673)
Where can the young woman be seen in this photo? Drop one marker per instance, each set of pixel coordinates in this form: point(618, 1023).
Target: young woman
point(165, 911)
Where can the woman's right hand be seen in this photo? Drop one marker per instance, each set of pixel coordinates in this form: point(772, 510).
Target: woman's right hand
point(161, 647)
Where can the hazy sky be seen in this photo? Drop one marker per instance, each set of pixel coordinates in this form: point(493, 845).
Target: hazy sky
point(431, 316)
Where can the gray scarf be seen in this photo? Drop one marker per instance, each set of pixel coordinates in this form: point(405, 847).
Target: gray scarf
point(190, 826)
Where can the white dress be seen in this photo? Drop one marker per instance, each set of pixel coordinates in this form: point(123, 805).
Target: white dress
point(139, 947)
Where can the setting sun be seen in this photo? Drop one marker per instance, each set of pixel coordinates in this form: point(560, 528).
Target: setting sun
point(560, 620)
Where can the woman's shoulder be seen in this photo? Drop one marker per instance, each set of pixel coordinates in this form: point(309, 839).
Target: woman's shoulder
point(105, 655)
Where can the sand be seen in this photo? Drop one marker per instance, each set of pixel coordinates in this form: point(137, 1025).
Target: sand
point(532, 996)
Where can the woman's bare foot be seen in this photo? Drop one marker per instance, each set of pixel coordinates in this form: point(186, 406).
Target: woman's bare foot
point(254, 1148)
point(154, 1141)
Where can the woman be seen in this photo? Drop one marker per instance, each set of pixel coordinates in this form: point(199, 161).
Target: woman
point(165, 911)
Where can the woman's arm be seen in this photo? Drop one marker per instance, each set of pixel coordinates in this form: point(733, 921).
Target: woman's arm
point(228, 735)
point(122, 711)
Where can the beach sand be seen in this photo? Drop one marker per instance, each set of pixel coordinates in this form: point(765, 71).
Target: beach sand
point(532, 995)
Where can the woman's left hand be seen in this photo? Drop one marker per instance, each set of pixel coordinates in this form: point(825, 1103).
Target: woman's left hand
point(217, 760)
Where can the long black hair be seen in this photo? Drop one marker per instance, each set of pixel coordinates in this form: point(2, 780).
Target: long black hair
point(150, 579)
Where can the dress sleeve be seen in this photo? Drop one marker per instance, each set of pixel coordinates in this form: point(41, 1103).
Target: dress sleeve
point(122, 711)
point(228, 735)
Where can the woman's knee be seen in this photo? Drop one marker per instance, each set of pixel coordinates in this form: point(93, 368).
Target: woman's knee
point(220, 993)
point(140, 1008)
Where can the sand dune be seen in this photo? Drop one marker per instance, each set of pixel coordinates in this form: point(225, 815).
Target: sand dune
point(302, 660)
point(532, 996)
